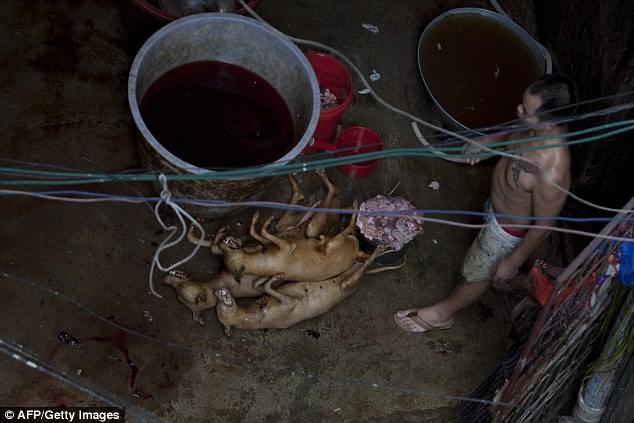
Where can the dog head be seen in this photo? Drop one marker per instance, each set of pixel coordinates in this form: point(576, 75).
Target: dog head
point(225, 308)
point(191, 293)
point(230, 243)
point(224, 297)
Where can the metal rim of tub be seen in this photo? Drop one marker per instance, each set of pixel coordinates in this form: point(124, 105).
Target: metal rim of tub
point(150, 43)
point(498, 18)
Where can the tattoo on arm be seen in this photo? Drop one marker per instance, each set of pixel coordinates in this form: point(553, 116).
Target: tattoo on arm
point(522, 166)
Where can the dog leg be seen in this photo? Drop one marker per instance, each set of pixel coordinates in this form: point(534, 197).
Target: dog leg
point(353, 220)
point(352, 281)
point(259, 282)
point(282, 244)
point(290, 218)
point(386, 268)
point(282, 298)
point(319, 222)
point(335, 243)
point(192, 238)
point(254, 233)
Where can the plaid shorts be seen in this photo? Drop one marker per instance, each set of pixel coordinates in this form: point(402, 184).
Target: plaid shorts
point(491, 245)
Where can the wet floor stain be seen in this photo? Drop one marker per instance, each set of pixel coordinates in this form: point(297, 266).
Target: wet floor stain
point(120, 342)
point(445, 347)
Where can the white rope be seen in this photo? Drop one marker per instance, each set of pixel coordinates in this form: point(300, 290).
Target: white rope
point(166, 198)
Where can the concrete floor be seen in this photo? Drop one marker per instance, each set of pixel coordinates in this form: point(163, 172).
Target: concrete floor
point(83, 268)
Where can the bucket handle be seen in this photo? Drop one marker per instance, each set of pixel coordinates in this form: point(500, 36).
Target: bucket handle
point(321, 144)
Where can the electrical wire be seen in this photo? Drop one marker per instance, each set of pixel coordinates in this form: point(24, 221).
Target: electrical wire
point(27, 165)
point(516, 125)
point(289, 168)
point(418, 214)
point(100, 197)
point(70, 178)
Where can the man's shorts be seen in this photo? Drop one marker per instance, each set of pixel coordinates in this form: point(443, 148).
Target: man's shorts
point(491, 245)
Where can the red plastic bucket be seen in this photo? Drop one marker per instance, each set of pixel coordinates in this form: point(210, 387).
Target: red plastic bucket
point(351, 141)
point(334, 76)
point(357, 140)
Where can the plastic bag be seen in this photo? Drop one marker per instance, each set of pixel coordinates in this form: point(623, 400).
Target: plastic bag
point(544, 277)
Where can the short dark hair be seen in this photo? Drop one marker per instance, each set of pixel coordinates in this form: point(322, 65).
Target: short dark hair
point(559, 96)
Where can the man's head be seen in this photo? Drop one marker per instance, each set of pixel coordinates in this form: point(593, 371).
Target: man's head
point(552, 97)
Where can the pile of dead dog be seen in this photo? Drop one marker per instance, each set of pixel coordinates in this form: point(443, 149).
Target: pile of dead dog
point(302, 269)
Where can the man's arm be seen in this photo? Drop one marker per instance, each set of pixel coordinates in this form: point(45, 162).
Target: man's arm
point(470, 148)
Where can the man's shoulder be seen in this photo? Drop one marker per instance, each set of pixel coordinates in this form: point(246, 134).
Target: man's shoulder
point(554, 149)
point(555, 164)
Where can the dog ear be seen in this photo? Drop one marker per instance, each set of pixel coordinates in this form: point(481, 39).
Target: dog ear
point(201, 299)
point(239, 273)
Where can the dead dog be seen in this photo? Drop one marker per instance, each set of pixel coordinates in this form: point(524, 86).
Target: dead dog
point(297, 259)
point(292, 224)
point(198, 295)
point(292, 302)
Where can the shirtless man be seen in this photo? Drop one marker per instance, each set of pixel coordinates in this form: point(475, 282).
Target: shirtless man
point(523, 187)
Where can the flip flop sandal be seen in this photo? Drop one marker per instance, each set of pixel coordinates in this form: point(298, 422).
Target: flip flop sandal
point(413, 316)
